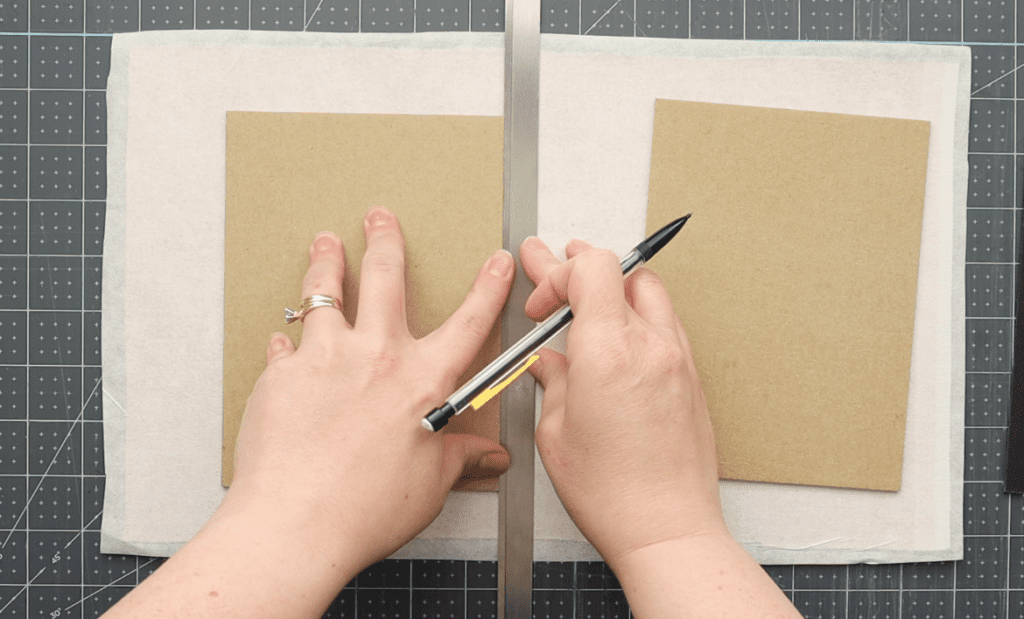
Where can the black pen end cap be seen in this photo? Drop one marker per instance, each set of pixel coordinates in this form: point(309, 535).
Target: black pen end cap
point(438, 418)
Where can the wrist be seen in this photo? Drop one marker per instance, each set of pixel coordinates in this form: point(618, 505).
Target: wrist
point(293, 537)
point(245, 562)
point(638, 562)
point(707, 575)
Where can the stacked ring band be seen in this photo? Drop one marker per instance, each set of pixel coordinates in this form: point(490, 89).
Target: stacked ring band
point(309, 304)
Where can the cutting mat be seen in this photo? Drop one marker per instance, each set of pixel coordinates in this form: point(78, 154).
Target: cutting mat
point(54, 58)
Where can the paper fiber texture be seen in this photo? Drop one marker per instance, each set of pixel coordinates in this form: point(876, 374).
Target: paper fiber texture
point(597, 115)
point(167, 107)
point(290, 176)
point(587, 177)
point(797, 282)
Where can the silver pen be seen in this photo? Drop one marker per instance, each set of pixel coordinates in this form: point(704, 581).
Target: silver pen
point(510, 364)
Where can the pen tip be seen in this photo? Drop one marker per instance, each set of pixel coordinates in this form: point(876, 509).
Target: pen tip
point(677, 225)
point(659, 239)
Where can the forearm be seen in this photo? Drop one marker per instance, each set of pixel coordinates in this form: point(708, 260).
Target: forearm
point(703, 577)
point(243, 564)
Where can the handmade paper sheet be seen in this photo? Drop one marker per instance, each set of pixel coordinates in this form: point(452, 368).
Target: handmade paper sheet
point(594, 172)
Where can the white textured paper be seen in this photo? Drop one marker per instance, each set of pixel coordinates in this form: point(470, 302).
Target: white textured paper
point(163, 262)
point(594, 167)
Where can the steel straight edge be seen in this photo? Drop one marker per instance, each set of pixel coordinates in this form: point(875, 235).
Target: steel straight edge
point(515, 489)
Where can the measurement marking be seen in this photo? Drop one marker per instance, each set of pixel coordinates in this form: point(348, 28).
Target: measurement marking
point(49, 277)
point(23, 589)
point(312, 15)
point(109, 584)
point(79, 534)
point(610, 9)
point(55, 455)
point(1010, 72)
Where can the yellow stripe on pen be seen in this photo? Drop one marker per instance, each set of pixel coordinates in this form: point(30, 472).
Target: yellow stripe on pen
point(490, 392)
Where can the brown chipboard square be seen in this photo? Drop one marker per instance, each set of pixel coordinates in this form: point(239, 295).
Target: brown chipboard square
point(291, 175)
point(796, 281)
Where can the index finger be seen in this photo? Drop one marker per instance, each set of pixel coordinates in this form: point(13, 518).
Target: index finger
point(649, 298)
point(538, 262)
point(591, 283)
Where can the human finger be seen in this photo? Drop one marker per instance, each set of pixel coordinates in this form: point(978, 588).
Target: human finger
point(647, 295)
point(684, 338)
point(462, 334)
point(326, 270)
point(467, 456)
point(382, 284)
point(591, 283)
point(537, 259)
point(549, 370)
point(280, 346)
point(538, 262)
point(576, 247)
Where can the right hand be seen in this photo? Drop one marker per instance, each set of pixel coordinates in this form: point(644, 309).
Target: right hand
point(624, 433)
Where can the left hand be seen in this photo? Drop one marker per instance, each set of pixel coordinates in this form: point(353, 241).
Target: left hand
point(331, 440)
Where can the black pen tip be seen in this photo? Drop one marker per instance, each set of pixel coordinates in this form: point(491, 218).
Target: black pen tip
point(659, 239)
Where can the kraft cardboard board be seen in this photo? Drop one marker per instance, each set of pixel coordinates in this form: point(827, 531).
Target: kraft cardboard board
point(796, 279)
point(290, 175)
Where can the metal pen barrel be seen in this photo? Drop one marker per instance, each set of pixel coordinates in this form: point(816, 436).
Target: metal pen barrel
point(511, 359)
point(501, 368)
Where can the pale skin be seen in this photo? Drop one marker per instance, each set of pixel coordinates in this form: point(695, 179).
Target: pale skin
point(334, 471)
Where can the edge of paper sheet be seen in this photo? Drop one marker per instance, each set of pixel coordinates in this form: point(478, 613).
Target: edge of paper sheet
point(114, 388)
point(112, 344)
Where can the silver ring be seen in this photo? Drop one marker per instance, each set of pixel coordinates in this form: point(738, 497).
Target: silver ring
point(309, 304)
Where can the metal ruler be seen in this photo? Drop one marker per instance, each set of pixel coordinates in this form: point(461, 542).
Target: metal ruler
point(515, 489)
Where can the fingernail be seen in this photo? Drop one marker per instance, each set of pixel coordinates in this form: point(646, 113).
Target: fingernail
point(494, 461)
point(378, 216)
point(500, 264)
point(325, 241)
point(277, 342)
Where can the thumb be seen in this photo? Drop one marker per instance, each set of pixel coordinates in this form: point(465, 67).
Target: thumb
point(469, 457)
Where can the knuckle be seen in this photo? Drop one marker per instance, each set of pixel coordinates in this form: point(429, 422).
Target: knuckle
point(647, 277)
point(544, 435)
point(635, 350)
point(317, 281)
point(668, 357)
point(666, 360)
point(489, 294)
point(598, 259)
point(385, 259)
point(473, 326)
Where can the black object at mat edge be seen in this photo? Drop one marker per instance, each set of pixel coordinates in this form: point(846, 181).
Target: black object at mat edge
point(1015, 434)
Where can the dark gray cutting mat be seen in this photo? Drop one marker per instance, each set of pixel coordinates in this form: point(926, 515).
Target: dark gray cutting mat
point(54, 58)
